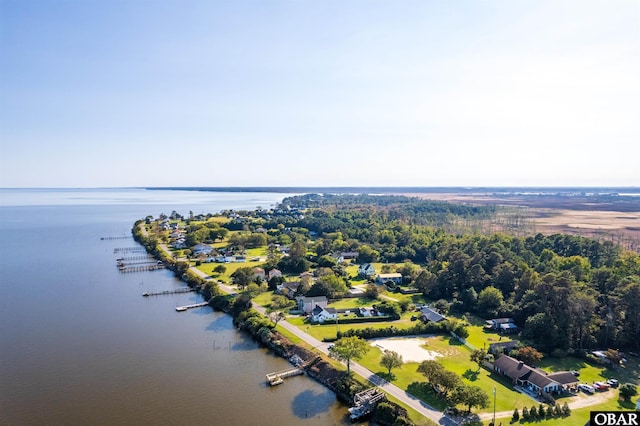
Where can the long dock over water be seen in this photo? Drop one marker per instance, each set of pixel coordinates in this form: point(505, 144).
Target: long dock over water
point(129, 250)
point(140, 268)
point(178, 291)
point(195, 305)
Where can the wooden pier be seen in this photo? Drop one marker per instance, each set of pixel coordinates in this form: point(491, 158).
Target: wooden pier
point(160, 293)
point(130, 258)
point(279, 376)
point(140, 268)
point(195, 305)
point(120, 237)
point(129, 250)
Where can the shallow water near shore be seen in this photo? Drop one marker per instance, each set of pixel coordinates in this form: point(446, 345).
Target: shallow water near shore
point(80, 345)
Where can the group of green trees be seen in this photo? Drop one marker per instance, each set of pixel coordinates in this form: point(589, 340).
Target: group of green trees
point(541, 412)
point(566, 292)
point(450, 387)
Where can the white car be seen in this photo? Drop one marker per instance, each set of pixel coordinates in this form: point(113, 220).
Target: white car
point(586, 388)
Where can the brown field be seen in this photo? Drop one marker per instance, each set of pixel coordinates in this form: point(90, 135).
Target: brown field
point(603, 218)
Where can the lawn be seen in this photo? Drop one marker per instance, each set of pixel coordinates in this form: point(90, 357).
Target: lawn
point(455, 357)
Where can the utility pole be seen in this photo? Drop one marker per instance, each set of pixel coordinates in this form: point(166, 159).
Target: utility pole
point(494, 406)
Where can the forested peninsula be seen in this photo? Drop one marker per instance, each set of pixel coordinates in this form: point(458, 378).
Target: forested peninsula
point(567, 295)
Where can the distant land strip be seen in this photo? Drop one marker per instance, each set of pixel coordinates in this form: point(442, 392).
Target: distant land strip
point(541, 191)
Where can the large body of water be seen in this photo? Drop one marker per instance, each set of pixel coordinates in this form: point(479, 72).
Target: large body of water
point(80, 345)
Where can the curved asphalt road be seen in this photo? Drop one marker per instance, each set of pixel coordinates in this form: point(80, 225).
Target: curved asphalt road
point(323, 347)
point(373, 378)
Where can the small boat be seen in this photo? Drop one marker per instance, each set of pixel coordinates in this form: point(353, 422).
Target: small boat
point(181, 308)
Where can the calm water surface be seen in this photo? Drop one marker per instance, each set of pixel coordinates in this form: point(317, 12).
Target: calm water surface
point(79, 345)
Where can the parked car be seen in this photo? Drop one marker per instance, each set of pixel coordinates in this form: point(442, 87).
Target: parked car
point(586, 388)
point(600, 386)
point(613, 383)
point(575, 373)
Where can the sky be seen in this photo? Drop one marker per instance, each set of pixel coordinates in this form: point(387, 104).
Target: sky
point(130, 93)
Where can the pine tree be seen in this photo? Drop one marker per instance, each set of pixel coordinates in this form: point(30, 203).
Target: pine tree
point(566, 411)
point(525, 413)
point(541, 411)
point(516, 415)
point(533, 413)
point(557, 412)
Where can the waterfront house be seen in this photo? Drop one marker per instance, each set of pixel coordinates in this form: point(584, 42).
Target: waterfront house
point(320, 314)
point(308, 304)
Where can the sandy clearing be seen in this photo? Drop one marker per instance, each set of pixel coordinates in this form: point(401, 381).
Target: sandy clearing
point(409, 347)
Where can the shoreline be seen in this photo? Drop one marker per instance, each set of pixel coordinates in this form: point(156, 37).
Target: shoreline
point(321, 369)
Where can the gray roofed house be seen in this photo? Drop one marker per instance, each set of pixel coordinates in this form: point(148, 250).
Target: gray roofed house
point(320, 314)
point(429, 314)
point(395, 277)
point(565, 378)
point(532, 378)
point(502, 347)
point(505, 325)
point(307, 304)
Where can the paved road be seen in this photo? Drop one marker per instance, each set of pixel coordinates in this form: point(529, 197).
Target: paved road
point(323, 347)
point(390, 388)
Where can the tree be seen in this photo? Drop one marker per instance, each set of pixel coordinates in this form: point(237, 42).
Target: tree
point(242, 277)
point(478, 356)
point(348, 348)
point(298, 249)
point(516, 415)
point(471, 396)
point(366, 254)
point(627, 391)
point(391, 359)
point(276, 309)
point(220, 269)
point(542, 411)
point(372, 291)
point(489, 300)
point(528, 355)
point(446, 381)
point(429, 369)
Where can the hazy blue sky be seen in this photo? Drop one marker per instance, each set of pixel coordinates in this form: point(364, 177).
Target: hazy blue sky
point(244, 93)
